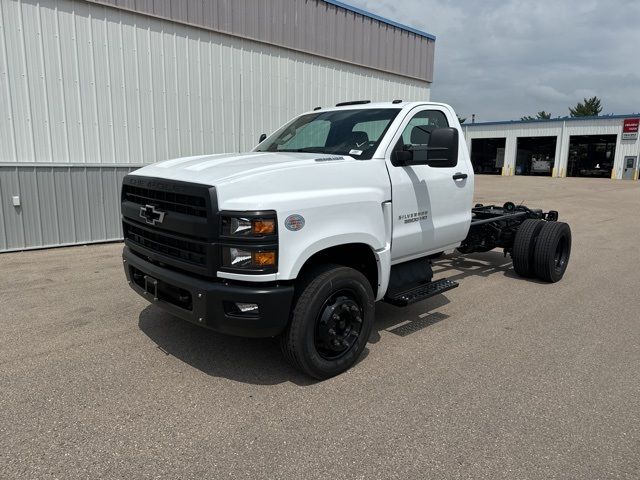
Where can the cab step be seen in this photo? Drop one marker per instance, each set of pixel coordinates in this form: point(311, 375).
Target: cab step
point(421, 292)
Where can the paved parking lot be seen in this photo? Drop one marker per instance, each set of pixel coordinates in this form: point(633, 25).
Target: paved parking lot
point(500, 378)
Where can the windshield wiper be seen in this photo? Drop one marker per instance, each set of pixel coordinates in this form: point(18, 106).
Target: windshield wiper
point(305, 149)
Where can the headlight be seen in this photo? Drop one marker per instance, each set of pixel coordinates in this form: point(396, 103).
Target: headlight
point(249, 242)
point(249, 226)
point(241, 258)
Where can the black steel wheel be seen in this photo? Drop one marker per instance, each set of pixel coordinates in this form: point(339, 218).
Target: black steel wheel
point(552, 251)
point(331, 321)
point(338, 325)
point(524, 245)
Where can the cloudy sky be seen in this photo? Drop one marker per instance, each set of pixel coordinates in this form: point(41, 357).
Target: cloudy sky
point(502, 59)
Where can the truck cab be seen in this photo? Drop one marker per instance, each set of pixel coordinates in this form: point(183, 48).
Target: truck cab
point(298, 238)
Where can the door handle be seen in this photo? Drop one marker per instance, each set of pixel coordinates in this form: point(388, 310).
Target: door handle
point(459, 176)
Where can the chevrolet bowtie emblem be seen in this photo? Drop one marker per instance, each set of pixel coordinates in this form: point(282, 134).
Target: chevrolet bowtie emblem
point(151, 215)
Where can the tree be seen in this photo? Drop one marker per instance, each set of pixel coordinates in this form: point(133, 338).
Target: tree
point(462, 119)
point(589, 108)
point(541, 115)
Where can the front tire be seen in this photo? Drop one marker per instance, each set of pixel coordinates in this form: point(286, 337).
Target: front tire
point(330, 323)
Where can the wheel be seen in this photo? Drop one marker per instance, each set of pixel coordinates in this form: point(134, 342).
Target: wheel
point(330, 323)
point(524, 246)
point(552, 251)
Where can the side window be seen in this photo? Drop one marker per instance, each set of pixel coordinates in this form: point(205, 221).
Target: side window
point(418, 130)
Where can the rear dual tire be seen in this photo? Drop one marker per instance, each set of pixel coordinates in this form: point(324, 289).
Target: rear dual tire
point(552, 251)
point(542, 249)
point(524, 247)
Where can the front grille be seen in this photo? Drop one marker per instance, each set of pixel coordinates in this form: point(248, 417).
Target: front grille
point(177, 248)
point(186, 236)
point(167, 201)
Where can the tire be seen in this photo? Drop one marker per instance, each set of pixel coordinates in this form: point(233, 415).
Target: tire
point(323, 294)
point(524, 247)
point(552, 251)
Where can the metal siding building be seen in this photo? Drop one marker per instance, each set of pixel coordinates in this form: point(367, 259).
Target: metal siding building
point(91, 90)
point(561, 130)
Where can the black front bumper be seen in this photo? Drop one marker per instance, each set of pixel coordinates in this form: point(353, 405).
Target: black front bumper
point(210, 303)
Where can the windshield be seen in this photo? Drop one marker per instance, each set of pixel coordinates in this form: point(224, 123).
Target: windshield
point(341, 132)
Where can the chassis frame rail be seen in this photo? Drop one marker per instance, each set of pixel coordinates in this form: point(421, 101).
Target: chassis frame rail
point(495, 226)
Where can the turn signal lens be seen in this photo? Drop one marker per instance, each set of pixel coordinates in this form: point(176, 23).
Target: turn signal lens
point(261, 226)
point(264, 259)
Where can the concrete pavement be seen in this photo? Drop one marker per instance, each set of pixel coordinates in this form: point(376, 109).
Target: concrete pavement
point(500, 378)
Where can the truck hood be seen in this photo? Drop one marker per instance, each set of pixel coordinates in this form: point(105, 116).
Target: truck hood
point(219, 169)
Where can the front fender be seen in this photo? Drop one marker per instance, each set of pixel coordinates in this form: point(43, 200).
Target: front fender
point(323, 244)
point(329, 226)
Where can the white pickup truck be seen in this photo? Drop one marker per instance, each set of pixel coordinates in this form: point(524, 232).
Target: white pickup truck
point(338, 209)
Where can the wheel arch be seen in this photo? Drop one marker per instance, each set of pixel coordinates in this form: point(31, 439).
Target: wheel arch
point(359, 256)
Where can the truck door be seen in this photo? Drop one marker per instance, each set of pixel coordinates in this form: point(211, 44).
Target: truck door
point(431, 205)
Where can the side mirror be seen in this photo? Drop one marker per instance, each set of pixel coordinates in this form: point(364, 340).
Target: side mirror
point(263, 137)
point(419, 154)
point(442, 150)
point(402, 157)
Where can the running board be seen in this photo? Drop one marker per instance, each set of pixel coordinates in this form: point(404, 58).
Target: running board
point(420, 292)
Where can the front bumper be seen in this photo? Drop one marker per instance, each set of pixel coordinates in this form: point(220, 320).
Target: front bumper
point(207, 303)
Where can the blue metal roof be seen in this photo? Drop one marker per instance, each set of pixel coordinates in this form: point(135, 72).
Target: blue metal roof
point(560, 119)
point(381, 19)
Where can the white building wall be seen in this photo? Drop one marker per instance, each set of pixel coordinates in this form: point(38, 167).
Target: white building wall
point(85, 88)
point(563, 130)
point(511, 134)
point(88, 84)
point(592, 127)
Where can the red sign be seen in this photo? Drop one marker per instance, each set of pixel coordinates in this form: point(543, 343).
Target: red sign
point(631, 125)
point(630, 128)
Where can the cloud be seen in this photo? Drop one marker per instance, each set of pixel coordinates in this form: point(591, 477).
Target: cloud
point(547, 93)
point(502, 59)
